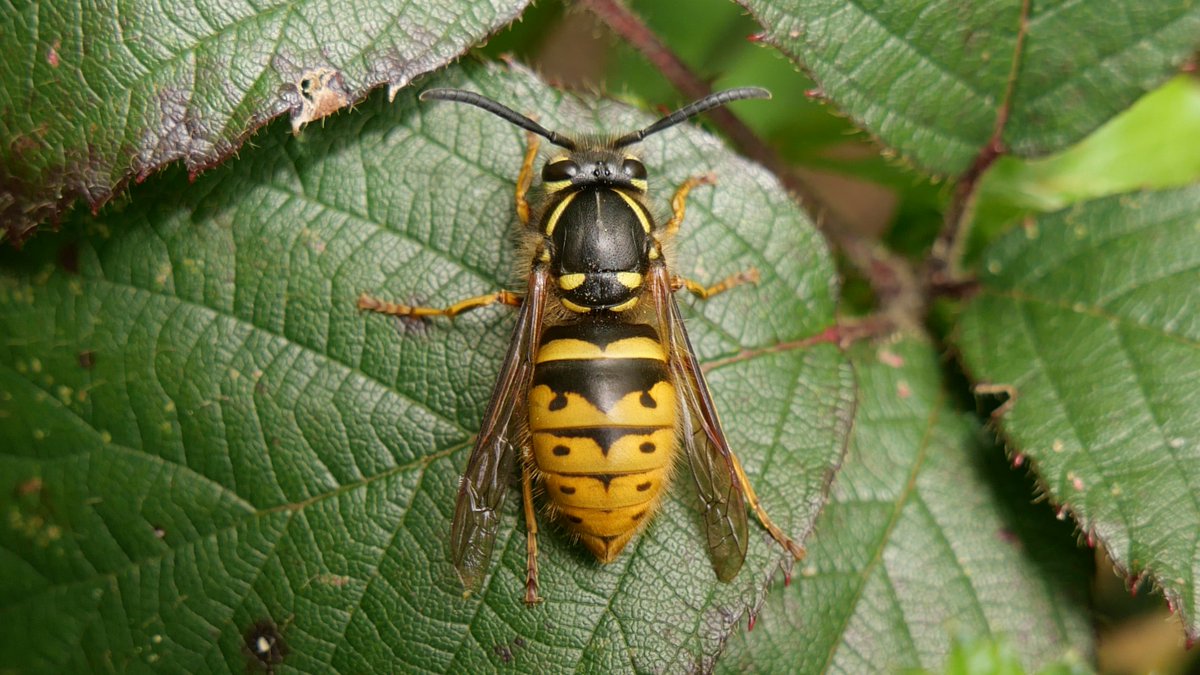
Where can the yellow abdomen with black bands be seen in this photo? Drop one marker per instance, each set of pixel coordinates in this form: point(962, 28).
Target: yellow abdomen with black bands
point(602, 418)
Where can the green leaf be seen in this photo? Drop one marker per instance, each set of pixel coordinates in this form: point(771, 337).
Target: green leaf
point(94, 94)
point(209, 444)
point(933, 78)
point(1088, 319)
point(927, 536)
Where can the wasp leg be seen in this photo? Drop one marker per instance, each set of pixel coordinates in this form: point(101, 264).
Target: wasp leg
point(697, 289)
point(531, 529)
point(525, 178)
point(785, 541)
point(679, 201)
point(372, 304)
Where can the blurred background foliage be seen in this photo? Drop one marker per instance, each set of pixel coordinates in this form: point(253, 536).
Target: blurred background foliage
point(1151, 145)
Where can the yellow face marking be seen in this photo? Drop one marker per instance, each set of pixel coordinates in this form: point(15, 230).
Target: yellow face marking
point(629, 348)
point(569, 282)
point(637, 209)
point(628, 304)
point(578, 309)
point(629, 279)
point(639, 184)
point(555, 185)
point(557, 213)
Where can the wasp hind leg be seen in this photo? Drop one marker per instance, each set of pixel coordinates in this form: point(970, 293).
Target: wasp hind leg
point(785, 541)
point(370, 303)
point(531, 530)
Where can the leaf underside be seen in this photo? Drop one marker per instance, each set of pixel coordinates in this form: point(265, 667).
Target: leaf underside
point(927, 536)
point(1089, 322)
point(933, 79)
point(91, 97)
point(207, 444)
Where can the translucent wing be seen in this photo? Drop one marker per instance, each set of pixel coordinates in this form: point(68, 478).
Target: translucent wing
point(707, 451)
point(496, 452)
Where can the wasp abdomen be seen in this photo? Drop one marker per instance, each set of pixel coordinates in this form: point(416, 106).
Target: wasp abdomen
point(602, 417)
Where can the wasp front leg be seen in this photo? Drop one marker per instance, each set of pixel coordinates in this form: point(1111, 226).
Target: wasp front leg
point(679, 200)
point(525, 178)
point(370, 303)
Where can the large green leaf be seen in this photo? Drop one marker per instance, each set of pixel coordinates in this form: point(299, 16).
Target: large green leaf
point(1090, 319)
point(927, 535)
point(94, 93)
point(205, 440)
point(931, 78)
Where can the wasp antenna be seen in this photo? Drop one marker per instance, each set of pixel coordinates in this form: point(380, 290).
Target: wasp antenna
point(499, 110)
point(714, 100)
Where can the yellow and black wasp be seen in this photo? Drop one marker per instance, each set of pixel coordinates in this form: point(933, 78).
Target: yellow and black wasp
point(600, 387)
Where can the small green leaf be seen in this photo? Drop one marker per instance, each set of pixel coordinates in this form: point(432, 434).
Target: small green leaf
point(1089, 319)
point(931, 78)
point(94, 94)
point(210, 446)
point(927, 536)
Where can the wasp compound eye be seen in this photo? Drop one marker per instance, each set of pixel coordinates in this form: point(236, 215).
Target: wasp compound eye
point(559, 170)
point(633, 169)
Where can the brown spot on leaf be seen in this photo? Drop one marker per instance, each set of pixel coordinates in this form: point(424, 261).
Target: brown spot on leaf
point(52, 54)
point(322, 92)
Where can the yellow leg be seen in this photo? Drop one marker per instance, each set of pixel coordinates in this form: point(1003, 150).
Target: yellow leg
point(531, 530)
point(792, 547)
point(373, 304)
point(679, 201)
point(525, 178)
point(749, 276)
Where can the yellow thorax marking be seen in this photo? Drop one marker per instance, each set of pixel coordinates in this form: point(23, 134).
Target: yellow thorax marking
point(569, 282)
point(579, 309)
point(629, 279)
point(628, 304)
point(557, 212)
point(637, 209)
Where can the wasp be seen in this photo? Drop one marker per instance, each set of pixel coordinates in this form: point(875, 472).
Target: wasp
point(600, 388)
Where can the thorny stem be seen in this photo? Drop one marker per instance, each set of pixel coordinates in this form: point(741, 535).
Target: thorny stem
point(942, 269)
point(894, 281)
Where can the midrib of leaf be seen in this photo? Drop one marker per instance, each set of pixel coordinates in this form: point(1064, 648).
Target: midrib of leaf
point(909, 489)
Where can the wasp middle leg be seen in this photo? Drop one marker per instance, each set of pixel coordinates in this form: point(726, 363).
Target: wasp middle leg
point(785, 541)
point(703, 292)
point(370, 303)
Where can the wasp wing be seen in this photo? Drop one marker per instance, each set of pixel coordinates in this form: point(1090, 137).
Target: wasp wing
point(704, 442)
point(490, 467)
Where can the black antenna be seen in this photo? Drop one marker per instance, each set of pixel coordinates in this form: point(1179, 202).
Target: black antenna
point(499, 110)
point(709, 102)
